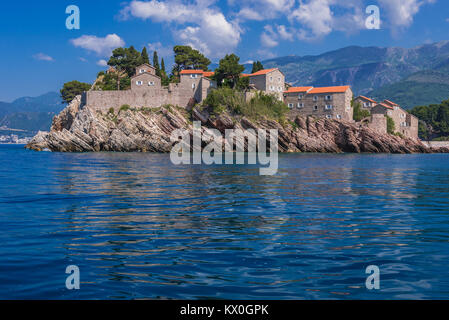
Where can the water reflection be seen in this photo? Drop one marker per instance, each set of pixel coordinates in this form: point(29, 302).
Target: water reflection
point(140, 227)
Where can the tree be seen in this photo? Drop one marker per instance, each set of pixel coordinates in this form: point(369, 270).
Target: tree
point(257, 66)
point(359, 114)
point(144, 56)
point(188, 58)
point(73, 88)
point(156, 64)
point(390, 125)
point(165, 79)
point(125, 61)
point(229, 70)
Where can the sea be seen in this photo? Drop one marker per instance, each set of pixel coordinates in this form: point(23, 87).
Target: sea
point(136, 226)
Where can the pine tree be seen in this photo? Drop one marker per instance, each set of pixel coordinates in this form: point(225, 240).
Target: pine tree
point(144, 56)
point(257, 66)
point(156, 64)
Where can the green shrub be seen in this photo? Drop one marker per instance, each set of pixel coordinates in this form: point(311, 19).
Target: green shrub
point(125, 107)
point(111, 111)
point(390, 125)
point(233, 101)
point(359, 113)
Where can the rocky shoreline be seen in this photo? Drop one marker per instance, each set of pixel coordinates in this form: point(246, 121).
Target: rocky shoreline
point(81, 129)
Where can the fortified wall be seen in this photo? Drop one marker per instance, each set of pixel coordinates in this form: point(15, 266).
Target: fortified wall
point(146, 91)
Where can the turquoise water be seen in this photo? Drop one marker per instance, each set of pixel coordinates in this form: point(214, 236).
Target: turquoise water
point(139, 227)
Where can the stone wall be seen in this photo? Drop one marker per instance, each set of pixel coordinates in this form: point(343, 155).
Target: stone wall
point(151, 97)
point(378, 122)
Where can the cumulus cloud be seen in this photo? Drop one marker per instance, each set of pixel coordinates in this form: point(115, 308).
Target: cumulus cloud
point(197, 24)
point(102, 63)
point(162, 50)
point(43, 57)
point(262, 9)
point(401, 12)
point(101, 46)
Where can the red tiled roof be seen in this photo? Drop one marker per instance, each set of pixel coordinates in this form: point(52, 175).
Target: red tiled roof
point(366, 98)
point(298, 89)
point(245, 75)
point(192, 72)
point(340, 89)
point(208, 74)
point(262, 72)
point(390, 103)
point(385, 105)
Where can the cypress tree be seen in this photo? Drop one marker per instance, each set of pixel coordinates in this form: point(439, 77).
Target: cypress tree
point(144, 56)
point(156, 64)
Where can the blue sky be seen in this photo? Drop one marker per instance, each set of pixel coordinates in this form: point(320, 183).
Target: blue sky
point(38, 53)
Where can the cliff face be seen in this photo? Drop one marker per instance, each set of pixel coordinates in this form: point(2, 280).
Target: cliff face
point(78, 129)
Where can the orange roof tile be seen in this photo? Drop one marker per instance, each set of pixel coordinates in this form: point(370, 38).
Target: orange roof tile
point(298, 89)
point(192, 72)
point(340, 89)
point(366, 98)
point(208, 74)
point(390, 103)
point(385, 105)
point(245, 75)
point(262, 72)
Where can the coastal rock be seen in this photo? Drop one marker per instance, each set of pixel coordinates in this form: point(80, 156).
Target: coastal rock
point(80, 129)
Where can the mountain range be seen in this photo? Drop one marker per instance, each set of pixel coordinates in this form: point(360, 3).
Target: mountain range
point(30, 113)
point(410, 77)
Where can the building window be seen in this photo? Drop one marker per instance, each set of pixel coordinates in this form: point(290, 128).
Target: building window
point(339, 116)
point(290, 105)
point(315, 108)
point(300, 96)
point(193, 86)
point(193, 76)
point(151, 83)
point(271, 79)
point(142, 70)
point(300, 105)
point(315, 98)
point(328, 116)
point(402, 115)
point(279, 80)
point(328, 98)
point(271, 88)
point(139, 83)
point(329, 107)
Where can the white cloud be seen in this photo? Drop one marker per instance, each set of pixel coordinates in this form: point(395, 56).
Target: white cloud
point(401, 12)
point(102, 63)
point(196, 24)
point(82, 59)
point(268, 37)
point(262, 9)
point(43, 57)
point(161, 50)
point(101, 46)
point(316, 18)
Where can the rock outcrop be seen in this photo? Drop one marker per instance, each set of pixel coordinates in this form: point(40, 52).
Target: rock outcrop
point(80, 129)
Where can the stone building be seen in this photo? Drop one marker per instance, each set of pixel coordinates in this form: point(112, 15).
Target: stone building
point(365, 102)
point(271, 81)
point(404, 122)
point(323, 102)
point(147, 91)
